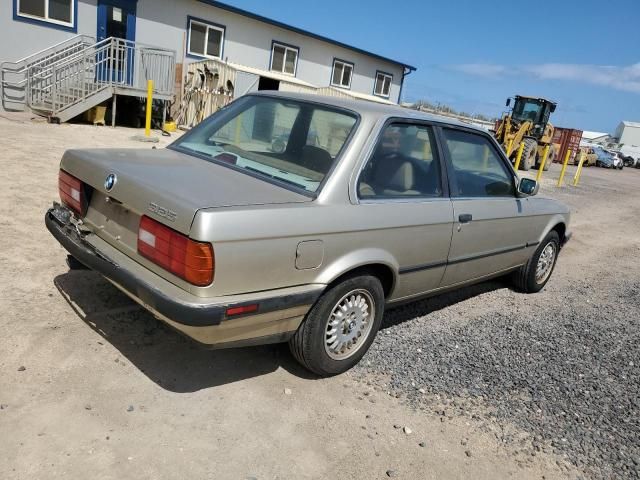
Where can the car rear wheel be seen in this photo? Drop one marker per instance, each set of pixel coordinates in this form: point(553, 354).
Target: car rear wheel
point(340, 327)
point(534, 275)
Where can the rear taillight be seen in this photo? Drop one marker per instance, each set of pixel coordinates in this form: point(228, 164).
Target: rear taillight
point(71, 192)
point(190, 260)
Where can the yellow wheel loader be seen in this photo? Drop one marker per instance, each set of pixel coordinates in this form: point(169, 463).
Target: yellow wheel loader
point(528, 122)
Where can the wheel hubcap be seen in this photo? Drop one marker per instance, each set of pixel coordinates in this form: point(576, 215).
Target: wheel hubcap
point(545, 262)
point(349, 324)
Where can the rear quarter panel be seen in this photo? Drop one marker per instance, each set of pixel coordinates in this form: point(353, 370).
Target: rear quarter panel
point(255, 248)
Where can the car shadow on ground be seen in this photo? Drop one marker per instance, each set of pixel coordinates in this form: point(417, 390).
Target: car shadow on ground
point(409, 311)
point(179, 364)
point(165, 356)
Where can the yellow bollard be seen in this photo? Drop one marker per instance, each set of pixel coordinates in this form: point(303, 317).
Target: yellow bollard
point(564, 167)
point(509, 147)
point(576, 178)
point(545, 154)
point(147, 125)
point(519, 157)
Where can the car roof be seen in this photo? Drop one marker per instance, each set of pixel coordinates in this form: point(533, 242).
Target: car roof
point(368, 108)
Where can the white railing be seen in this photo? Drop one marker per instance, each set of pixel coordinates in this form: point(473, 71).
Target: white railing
point(110, 63)
point(14, 75)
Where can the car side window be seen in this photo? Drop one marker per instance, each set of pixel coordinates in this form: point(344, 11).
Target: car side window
point(478, 170)
point(404, 164)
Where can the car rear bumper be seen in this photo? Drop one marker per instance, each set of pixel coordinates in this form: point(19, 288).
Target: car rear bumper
point(278, 315)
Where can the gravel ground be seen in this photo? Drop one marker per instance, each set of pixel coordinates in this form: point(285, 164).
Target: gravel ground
point(562, 366)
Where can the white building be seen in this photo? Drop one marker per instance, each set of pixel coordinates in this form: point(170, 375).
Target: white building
point(599, 138)
point(157, 38)
point(628, 134)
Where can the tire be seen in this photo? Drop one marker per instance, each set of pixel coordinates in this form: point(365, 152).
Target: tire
point(526, 279)
point(528, 154)
point(310, 346)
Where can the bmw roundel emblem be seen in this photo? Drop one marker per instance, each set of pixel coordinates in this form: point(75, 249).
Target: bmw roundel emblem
point(110, 182)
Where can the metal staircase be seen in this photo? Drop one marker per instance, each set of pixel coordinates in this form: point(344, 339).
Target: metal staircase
point(69, 78)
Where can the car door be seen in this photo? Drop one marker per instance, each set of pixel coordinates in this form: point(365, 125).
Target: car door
point(491, 230)
point(403, 188)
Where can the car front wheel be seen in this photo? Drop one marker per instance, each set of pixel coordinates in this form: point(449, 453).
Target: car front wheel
point(534, 275)
point(340, 327)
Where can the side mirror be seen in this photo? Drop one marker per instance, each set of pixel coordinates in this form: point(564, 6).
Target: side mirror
point(527, 187)
point(553, 108)
point(508, 102)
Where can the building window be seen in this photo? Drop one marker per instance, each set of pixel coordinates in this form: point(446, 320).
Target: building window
point(205, 39)
point(342, 72)
point(60, 12)
point(383, 84)
point(284, 58)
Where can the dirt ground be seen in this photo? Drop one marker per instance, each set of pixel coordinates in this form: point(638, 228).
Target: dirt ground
point(91, 386)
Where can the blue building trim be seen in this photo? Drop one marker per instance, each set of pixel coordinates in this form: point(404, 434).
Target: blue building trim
point(284, 44)
point(333, 66)
point(211, 24)
point(375, 80)
point(47, 23)
point(306, 33)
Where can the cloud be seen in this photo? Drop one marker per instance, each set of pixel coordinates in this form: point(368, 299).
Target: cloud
point(621, 78)
point(626, 78)
point(481, 69)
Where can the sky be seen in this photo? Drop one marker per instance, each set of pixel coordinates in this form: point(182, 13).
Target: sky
point(473, 54)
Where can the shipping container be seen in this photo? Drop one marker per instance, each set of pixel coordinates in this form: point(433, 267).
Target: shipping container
point(565, 139)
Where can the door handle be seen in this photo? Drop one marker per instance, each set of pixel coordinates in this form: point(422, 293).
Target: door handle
point(465, 217)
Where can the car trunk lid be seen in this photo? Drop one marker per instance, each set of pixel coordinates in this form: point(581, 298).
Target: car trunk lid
point(167, 185)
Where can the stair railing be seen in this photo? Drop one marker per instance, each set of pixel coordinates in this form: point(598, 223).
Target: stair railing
point(14, 75)
point(113, 62)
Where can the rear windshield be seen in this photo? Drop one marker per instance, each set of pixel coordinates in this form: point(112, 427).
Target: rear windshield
point(292, 142)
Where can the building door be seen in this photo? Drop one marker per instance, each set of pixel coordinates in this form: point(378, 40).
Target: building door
point(117, 19)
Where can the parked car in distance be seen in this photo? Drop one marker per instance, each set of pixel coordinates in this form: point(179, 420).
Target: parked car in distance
point(604, 158)
point(233, 243)
point(590, 156)
point(628, 160)
point(631, 154)
point(618, 159)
